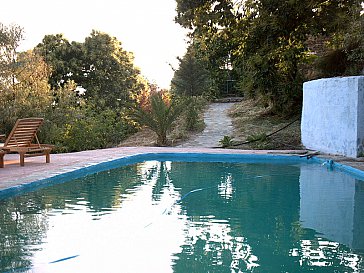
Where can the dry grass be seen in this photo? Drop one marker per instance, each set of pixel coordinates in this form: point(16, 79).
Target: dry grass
point(144, 137)
point(249, 119)
point(252, 121)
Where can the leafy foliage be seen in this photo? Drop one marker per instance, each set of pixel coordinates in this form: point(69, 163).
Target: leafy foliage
point(191, 78)
point(61, 56)
point(192, 119)
point(24, 88)
point(257, 137)
point(99, 65)
point(345, 50)
point(158, 114)
point(226, 141)
point(264, 43)
point(90, 130)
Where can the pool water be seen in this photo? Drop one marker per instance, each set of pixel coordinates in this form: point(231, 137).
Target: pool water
point(163, 216)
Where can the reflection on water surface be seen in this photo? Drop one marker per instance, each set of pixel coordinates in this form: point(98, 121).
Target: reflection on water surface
point(189, 217)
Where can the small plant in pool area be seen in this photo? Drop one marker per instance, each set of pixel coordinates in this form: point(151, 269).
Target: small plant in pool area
point(226, 141)
point(259, 141)
point(257, 137)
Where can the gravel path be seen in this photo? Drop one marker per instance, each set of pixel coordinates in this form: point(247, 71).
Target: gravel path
point(218, 124)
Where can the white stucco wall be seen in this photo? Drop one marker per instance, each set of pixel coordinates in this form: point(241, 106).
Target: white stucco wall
point(333, 115)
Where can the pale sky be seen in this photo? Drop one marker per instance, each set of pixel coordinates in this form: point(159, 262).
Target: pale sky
point(144, 27)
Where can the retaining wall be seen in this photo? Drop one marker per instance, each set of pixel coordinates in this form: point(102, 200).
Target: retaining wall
point(333, 115)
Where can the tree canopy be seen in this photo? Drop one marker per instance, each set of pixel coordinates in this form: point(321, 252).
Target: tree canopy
point(191, 78)
point(265, 41)
point(99, 65)
point(23, 78)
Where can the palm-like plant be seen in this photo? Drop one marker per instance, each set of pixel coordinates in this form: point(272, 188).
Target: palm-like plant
point(159, 116)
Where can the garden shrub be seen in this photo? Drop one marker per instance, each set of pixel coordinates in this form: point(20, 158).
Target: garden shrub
point(86, 130)
point(192, 118)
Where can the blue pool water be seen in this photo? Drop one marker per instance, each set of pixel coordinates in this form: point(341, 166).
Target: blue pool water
point(174, 216)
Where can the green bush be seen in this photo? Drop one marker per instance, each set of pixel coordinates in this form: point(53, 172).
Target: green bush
point(192, 118)
point(226, 141)
point(83, 129)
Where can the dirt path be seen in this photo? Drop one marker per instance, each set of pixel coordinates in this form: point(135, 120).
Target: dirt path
point(218, 124)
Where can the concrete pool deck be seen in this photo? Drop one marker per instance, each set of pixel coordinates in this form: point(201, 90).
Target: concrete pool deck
point(35, 168)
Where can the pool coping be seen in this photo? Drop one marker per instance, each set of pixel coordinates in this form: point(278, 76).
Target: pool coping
point(15, 179)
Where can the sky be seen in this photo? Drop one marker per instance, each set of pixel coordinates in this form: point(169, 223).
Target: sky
point(144, 27)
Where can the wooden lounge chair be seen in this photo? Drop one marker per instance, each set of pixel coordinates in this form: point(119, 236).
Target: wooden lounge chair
point(20, 140)
point(2, 153)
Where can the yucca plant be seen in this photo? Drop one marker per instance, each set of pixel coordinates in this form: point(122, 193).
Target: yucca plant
point(226, 141)
point(159, 116)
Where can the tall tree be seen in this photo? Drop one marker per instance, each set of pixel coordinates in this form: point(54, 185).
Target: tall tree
point(100, 65)
point(10, 38)
point(109, 72)
point(29, 94)
point(62, 56)
point(191, 77)
point(343, 52)
point(24, 89)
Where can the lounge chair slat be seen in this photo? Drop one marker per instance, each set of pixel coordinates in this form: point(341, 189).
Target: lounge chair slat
point(27, 129)
point(20, 139)
point(30, 124)
point(24, 135)
point(17, 139)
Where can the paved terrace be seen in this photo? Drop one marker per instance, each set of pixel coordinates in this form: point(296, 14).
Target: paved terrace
point(36, 169)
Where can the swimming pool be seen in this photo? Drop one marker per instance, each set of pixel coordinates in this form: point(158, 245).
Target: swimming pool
point(173, 214)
